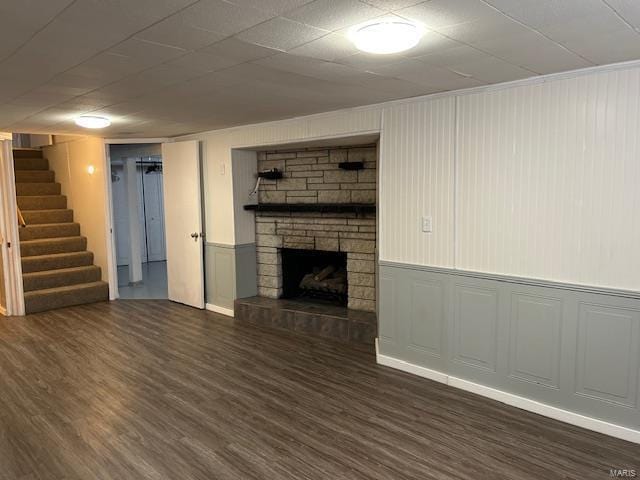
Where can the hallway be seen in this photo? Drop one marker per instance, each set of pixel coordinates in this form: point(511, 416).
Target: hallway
point(152, 287)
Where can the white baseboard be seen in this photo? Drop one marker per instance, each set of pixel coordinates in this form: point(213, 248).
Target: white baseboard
point(517, 401)
point(215, 308)
point(414, 369)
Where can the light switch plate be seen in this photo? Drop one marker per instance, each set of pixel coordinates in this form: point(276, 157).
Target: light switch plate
point(427, 224)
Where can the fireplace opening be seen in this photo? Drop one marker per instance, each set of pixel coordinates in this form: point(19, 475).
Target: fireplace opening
point(315, 275)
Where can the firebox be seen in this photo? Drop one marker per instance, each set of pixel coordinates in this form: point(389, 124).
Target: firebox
point(315, 275)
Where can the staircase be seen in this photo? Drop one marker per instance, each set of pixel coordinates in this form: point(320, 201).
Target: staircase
point(57, 269)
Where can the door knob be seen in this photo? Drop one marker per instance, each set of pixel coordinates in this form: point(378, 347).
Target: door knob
point(195, 236)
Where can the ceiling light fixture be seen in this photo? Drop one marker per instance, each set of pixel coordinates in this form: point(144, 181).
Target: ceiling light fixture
point(384, 37)
point(90, 121)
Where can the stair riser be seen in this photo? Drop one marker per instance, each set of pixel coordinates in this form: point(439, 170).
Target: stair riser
point(61, 279)
point(31, 164)
point(36, 232)
point(35, 217)
point(37, 302)
point(42, 203)
point(78, 259)
point(54, 246)
point(20, 153)
point(38, 189)
point(35, 176)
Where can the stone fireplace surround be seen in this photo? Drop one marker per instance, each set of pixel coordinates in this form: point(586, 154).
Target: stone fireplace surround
point(313, 176)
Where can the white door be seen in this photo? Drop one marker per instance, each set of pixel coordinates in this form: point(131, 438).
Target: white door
point(183, 222)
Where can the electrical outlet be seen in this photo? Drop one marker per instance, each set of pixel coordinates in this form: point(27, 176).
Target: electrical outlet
point(427, 224)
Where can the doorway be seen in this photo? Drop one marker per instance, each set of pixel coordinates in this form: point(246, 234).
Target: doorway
point(138, 214)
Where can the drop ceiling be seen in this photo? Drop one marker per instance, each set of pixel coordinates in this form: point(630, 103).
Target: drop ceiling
point(168, 67)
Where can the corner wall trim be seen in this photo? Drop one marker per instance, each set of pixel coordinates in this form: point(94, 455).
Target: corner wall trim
point(517, 401)
point(224, 311)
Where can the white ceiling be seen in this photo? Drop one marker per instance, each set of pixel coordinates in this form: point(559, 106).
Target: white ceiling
point(168, 67)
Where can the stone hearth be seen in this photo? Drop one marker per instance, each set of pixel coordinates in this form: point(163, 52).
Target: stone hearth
point(337, 323)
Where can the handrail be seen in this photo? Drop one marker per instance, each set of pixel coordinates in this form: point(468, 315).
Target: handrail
point(21, 221)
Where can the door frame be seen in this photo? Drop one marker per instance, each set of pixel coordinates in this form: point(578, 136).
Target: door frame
point(10, 246)
point(114, 293)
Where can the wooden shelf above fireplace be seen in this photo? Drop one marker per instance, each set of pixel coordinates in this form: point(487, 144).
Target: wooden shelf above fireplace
point(313, 207)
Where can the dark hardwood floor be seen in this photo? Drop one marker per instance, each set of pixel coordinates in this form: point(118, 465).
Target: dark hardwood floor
point(154, 390)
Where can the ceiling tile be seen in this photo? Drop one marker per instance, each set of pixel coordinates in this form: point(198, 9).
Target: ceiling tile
point(432, 42)
point(549, 12)
point(223, 17)
point(490, 70)
point(453, 56)
point(366, 61)
point(423, 74)
point(481, 30)
point(329, 47)
point(575, 29)
point(311, 67)
point(391, 5)
point(177, 32)
point(281, 34)
point(147, 53)
point(533, 52)
point(442, 13)
point(276, 7)
point(334, 14)
point(627, 9)
point(609, 47)
point(237, 49)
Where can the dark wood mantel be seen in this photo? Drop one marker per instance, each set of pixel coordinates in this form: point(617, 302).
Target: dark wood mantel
point(313, 207)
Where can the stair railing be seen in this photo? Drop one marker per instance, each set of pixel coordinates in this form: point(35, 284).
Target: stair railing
point(21, 221)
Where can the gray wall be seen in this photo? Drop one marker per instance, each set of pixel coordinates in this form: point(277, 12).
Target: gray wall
point(571, 347)
point(230, 273)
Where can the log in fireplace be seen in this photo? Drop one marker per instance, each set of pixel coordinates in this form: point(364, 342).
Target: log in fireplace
point(314, 275)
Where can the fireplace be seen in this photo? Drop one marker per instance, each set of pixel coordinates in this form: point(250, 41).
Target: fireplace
point(316, 226)
point(314, 275)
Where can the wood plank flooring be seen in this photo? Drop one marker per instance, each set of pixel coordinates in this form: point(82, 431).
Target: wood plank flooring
point(155, 390)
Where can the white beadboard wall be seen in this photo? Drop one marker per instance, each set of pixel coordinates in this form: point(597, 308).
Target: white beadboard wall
point(548, 181)
point(417, 149)
point(534, 179)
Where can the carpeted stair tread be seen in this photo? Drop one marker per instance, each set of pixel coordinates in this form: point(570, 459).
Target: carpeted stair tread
point(31, 189)
point(56, 261)
point(49, 230)
point(42, 202)
point(31, 164)
point(59, 297)
point(48, 246)
point(61, 277)
point(27, 153)
point(35, 176)
point(36, 217)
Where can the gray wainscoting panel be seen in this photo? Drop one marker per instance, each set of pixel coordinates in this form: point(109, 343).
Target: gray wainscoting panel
point(246, 271)
point(535, 339)
point(230, 273)
point(568, 347)
point(475, 326)
point(607, 366)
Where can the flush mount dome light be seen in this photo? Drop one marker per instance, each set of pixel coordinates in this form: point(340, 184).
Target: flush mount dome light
point(90, 121)
point(384, 37)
